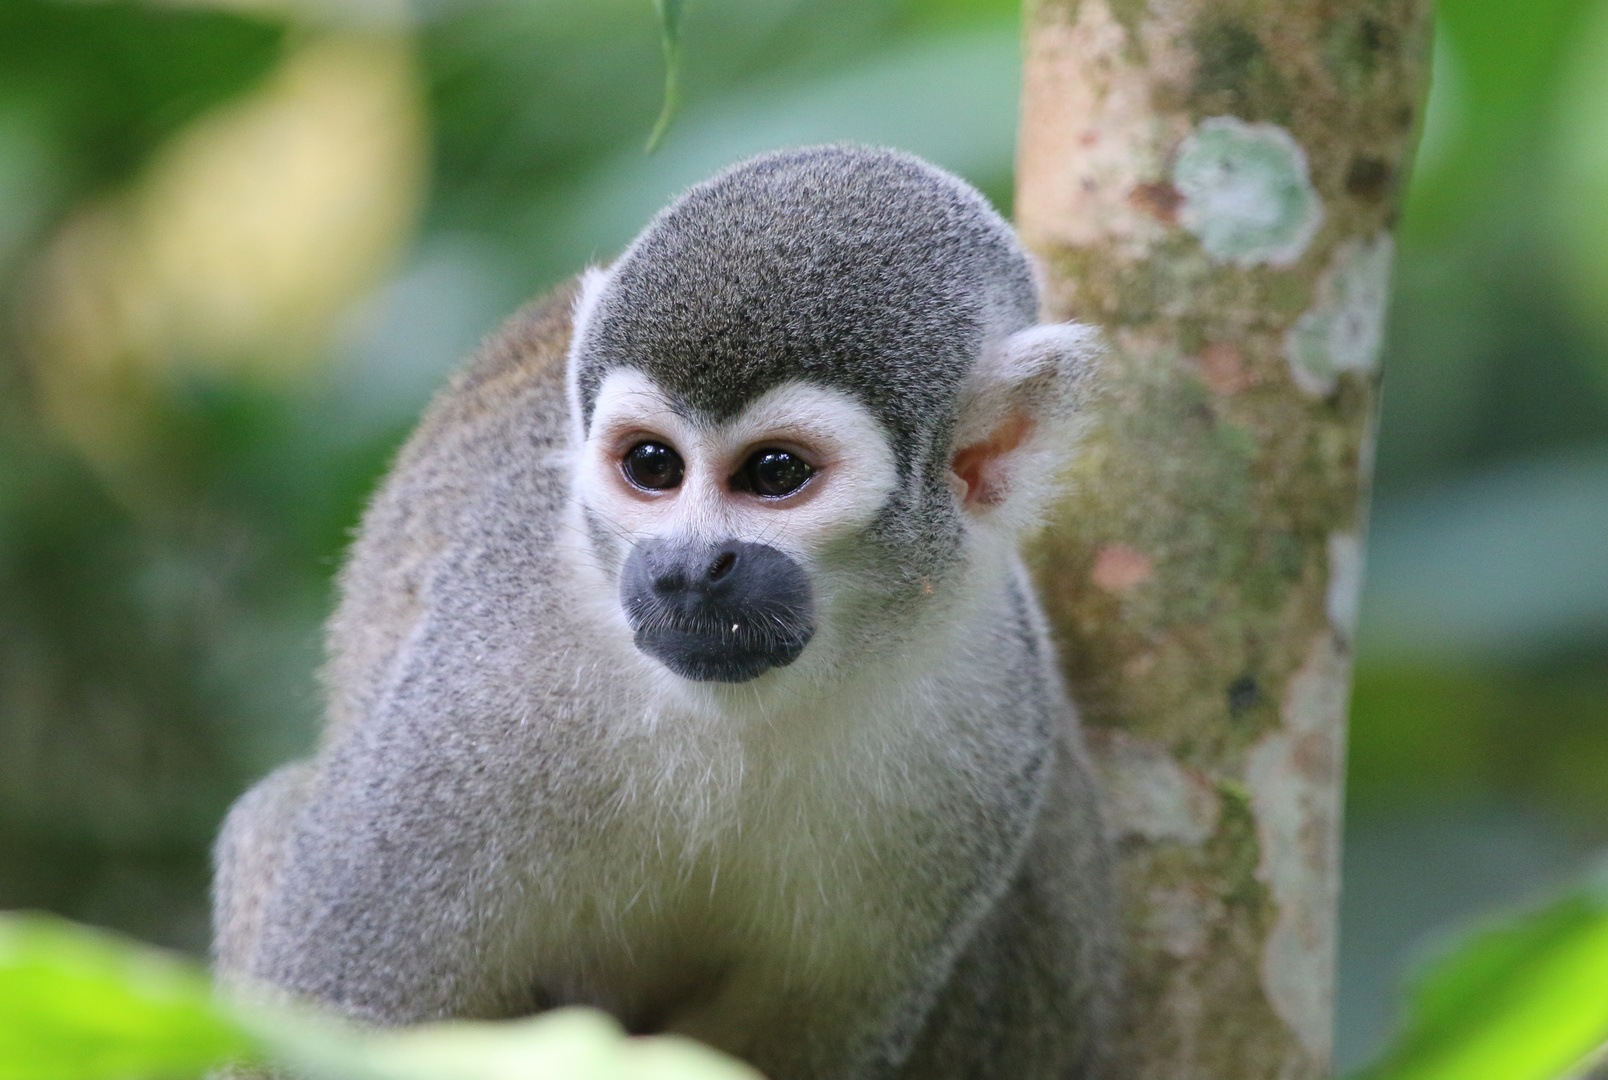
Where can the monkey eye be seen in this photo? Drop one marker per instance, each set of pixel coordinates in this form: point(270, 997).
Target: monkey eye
point(773, 473)
point(653, 466)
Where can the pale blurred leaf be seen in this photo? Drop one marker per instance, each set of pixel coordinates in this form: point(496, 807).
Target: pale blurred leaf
point(566, 1044)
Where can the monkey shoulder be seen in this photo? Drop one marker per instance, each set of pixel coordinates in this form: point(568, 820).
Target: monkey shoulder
point(485, 452)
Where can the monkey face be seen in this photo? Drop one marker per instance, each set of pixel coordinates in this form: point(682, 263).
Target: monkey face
point(815, 415)
point(723, 536)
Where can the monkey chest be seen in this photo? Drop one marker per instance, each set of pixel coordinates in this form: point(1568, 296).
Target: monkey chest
point(692, 921)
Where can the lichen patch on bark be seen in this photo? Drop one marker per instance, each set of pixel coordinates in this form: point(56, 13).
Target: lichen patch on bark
point(1150, 795)
point(1294, 778)
point(1344, 329)
point(1247, 192)
point(1344, 593)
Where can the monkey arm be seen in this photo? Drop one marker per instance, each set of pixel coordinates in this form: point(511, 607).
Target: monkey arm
point(247, 858)
point(385, 901)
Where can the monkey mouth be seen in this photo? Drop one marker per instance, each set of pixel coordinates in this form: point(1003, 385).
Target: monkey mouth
point(726, 612)
point(731, 652)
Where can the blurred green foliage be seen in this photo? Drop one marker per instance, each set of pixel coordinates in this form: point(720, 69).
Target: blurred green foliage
point(102, 85)
point(1493, 358)
point(1429, 733)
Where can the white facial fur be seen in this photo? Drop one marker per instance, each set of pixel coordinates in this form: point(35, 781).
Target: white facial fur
point(854, 475)
point(853, 463)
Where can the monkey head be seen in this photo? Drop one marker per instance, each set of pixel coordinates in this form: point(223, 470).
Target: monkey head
point(808, 400)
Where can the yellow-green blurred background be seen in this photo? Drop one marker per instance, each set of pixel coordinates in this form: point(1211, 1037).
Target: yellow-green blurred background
point(241, 242)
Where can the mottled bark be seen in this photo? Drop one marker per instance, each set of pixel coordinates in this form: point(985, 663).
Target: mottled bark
point(1214, 182)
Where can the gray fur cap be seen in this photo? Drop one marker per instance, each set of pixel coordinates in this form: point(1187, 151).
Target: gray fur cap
point(863, 269)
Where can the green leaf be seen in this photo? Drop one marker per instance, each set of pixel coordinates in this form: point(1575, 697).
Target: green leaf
point(78, 1004)
point(1523, 1000)
point(670, 36)
point(81, 1004)
point(670, 19)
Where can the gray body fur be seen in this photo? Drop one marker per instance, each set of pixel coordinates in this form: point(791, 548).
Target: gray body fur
point(892, 869)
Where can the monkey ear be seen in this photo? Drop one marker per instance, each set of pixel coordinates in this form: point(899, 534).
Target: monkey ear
point(587, 297)
point(1018, 420)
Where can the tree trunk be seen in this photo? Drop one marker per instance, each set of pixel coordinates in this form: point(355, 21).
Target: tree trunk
point(1215, 184)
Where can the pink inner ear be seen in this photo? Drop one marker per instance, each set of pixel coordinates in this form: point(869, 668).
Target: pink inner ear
point(978, 466)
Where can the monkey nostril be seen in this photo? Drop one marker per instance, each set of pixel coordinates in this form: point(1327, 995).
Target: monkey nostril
point(722, 565)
